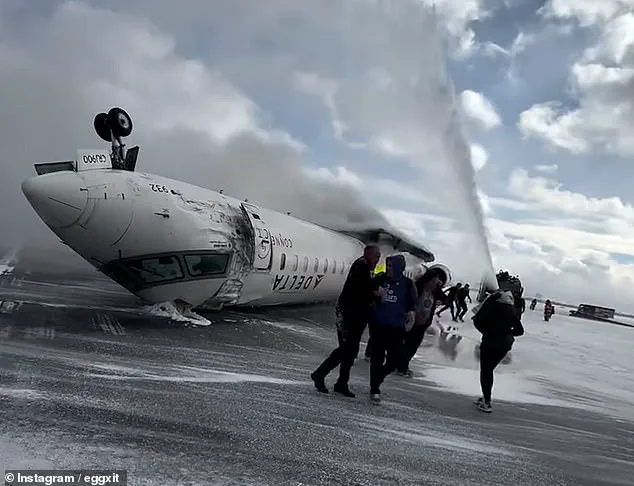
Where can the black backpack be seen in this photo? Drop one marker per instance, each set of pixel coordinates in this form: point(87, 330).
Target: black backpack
point(513, 284)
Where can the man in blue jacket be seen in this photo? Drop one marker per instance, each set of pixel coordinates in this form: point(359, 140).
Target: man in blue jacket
point(388, 322)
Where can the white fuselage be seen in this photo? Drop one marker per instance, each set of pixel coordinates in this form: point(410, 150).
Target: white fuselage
point(166, 240)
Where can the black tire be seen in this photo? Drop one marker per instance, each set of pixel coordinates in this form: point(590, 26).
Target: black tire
point(120, 122)
point(101, 127)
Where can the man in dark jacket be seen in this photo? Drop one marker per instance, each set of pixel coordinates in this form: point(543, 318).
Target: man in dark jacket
point(429, 293)
point(352, 314)
point(388, 322)
point(451, 294)
point(461, 302)
point(498, 322)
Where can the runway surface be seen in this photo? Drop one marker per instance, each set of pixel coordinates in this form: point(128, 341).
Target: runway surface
point(90, 379)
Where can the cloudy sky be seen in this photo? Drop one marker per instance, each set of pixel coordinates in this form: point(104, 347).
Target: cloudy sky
point(355, 111)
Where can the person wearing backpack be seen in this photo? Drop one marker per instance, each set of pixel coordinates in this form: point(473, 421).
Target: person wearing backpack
point(388, 322)
point(496, 319)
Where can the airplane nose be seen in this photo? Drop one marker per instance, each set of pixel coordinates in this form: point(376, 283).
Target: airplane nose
point(57, 197)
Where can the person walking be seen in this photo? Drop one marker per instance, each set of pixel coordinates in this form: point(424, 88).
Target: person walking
point(451, 294)
point(351, 316)
point(429, 294)
point(497, 321)
point(461, 302)
point(388, 322)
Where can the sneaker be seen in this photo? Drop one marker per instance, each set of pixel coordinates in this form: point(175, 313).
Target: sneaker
point(375, 398)
point(343, 390)
point(407, 373)
point(319, 383)
point(485, 407)
point(478, 401)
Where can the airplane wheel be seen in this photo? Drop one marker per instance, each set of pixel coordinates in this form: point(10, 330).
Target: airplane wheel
point(101, 127)
point(120, 122)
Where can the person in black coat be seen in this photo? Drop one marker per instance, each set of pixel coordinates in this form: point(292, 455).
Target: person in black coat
point(351, 318)
point(499, 324)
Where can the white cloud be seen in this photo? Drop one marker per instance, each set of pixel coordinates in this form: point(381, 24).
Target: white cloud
point(546, 121)
point(548, 194)
point(617, 41)
point(479, 156)
point(603, 80)
point(547, 169)
point(521, 42)
point(587, 12)
point(480, 109)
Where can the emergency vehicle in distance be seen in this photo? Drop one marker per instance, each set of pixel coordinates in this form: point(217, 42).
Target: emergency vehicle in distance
point(169, 241)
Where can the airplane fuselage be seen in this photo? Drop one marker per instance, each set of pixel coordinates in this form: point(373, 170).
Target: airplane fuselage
point(166, 240)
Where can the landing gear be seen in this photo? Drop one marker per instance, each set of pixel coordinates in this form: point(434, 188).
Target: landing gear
point(112, 127)
point(120, 122)
point(102, 128)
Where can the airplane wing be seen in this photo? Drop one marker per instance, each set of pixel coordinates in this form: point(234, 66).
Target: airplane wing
point(393, 238)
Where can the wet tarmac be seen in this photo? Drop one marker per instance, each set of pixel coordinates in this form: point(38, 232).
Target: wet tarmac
point(90, 379)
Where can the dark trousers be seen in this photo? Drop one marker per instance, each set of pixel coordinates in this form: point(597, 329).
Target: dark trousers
point(368, 347)
point(491, 353)
point(387, 354)
point(413, 340)
point(344, 355)
point(462, 309)
point(448, 306)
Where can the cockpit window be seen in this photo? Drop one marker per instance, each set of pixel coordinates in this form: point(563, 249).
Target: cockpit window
point(198, 265)
point(156, 269)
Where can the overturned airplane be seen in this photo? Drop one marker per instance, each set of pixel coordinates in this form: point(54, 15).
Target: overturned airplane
point(166, 240)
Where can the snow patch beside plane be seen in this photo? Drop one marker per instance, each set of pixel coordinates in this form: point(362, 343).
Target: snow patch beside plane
point(8, 262)
point(430, 436)
point(169, 310)
point(185, 374)
point(21, 393)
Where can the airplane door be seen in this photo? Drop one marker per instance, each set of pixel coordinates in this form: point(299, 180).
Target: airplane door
point(263, 251)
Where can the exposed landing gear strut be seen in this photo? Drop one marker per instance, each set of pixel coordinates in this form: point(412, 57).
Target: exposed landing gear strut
point(112, 127)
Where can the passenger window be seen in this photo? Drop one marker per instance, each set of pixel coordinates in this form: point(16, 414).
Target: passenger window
point(295, 263)
point(305, 264)
point(334, 266)
point(198, 265)
point(316, 267)
point(157, 269)
point(326, 266)
point(282, 261)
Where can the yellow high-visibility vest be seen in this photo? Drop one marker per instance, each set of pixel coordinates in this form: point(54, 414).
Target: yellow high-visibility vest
point(379, 268)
